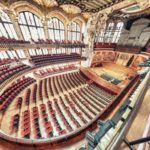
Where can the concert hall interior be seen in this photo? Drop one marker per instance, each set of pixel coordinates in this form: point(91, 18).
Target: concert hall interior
point(74, 74)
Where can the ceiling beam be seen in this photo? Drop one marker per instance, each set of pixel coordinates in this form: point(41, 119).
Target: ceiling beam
point(91, 5)
point(102, 2)
point(97, 3)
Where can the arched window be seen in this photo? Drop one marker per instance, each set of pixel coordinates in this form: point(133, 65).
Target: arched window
point(109, 32)
point(95, 40)
point(31, 26)
point(56, 32)
point(117, 32)
point(6, 27)
point(101, 35)
point(75, 32)
point(56, 29)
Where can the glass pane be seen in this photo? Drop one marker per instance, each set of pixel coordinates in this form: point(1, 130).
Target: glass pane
point(4, 54)
point(3, 31)
point(10, 54)
point(34, 27)
point(23, 54)
point(1, 56)
point(19, 54)
point(14, 53)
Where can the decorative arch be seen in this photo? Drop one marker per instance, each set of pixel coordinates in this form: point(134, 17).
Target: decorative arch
point(80, 18)
point(58, 13)
point(3, 5)
point(20, 6)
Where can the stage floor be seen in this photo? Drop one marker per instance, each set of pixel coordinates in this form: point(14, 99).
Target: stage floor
point(114, 70)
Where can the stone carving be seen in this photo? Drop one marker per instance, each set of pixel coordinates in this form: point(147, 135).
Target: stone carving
point(144, 3)
point(95, 24)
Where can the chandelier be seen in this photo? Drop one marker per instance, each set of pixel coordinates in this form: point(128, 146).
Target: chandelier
point(71, 9)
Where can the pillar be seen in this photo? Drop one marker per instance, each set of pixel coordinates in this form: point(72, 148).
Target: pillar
point(28, 53)
point(50, 51)
point(66, 50)
point(45, 26)
point(80, 51)
point(66, 34)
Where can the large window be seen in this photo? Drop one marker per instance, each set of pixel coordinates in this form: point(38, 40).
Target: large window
point(101, 35)
point(75, 32)
point(117, 32)
point(109, 32)
point(6, 27)
point(58, 51)
point(31, 26)
point(56, 29)
point(95, 40)
point(11, 54)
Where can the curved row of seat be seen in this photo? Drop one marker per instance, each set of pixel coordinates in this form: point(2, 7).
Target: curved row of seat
point(6, 72)
point(11, 92)
point(75, 107)
point(42, 59)
point(33, 93)
point(49, 71)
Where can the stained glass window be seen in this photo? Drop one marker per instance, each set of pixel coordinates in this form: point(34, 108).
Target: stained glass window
point(75, 32)
point(117, 32)
point(31, 26)
point(6, 27)
point(95, 40)
point(109, 32)
point(101, 35)
point(56, 29)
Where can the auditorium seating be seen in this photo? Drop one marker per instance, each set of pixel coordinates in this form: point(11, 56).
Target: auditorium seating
point(52, 71)
point(40, 90)
point(6, 72)
point(14, 123)
point(25, 124)
point(4, 40)
point(34, 92)
point(7, 61)
point(12, 91)
point(58, 105)
point(42, 59)
point(19, 102)
point(49, 41)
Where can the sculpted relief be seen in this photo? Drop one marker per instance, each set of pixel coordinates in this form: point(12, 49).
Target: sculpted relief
point(143, 3)
point(95, 24)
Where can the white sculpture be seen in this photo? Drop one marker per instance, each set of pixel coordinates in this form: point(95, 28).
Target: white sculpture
point(95, 24)
point(144, 3)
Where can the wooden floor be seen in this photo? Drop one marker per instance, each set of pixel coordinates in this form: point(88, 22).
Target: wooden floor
point(114, 70)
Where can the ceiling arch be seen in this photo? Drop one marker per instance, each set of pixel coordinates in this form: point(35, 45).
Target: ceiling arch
point(20, 6)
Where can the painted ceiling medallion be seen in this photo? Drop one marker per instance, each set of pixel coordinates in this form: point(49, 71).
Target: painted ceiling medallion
point(71, 9)
point(87, 15)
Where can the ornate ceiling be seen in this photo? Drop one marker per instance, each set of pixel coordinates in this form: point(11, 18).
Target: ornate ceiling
point(46, 3)
point(84, 5)
point(90, 5)
point(121, 8)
